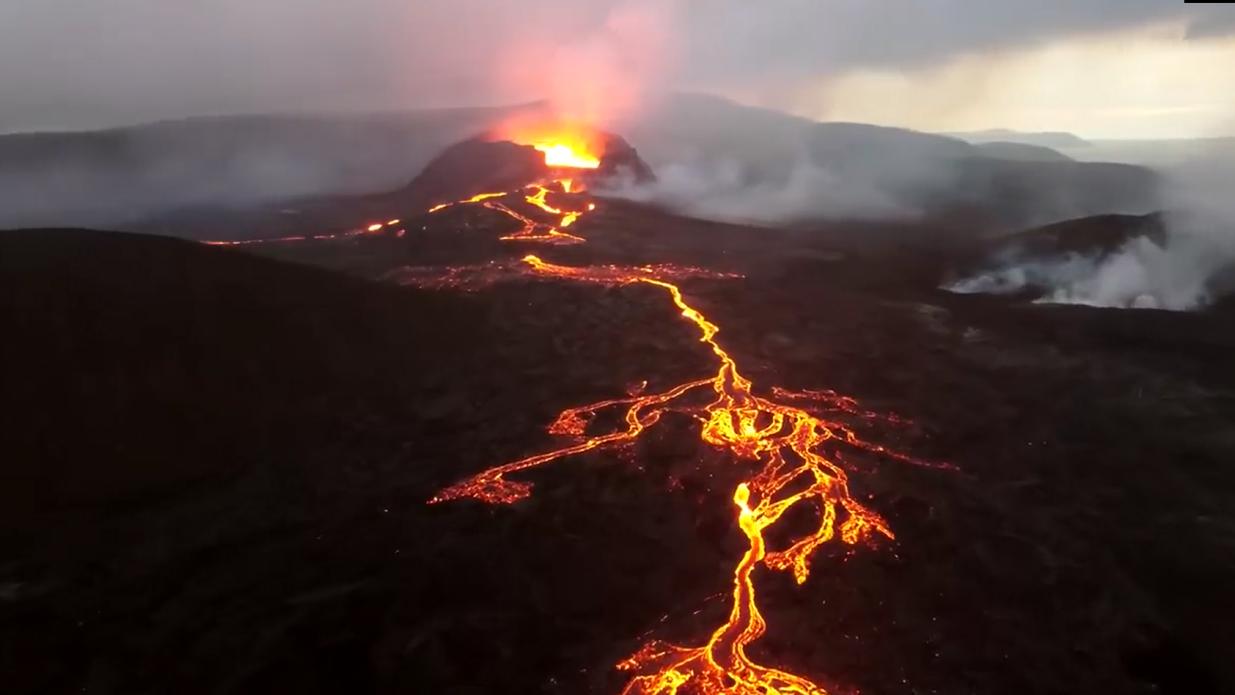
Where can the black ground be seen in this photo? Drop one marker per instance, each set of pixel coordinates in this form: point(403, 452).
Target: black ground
point(216, 465)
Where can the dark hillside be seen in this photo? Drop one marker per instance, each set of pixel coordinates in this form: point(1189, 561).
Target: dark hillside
point(133, 363)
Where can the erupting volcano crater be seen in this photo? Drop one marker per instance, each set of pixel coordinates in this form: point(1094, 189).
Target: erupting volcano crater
point(492, 162)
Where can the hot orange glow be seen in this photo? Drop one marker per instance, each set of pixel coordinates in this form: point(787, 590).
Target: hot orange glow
point(565, 145)
point(561, 155)
point(531, 230)
point(538, 199)
point(788, 445)
point(474, 199)
point(247, 242)
point(336, 236)
point(474, 277)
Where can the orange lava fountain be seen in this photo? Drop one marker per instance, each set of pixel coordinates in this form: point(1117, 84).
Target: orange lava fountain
point(785, 443)
point(564, 145)
point(559, 155)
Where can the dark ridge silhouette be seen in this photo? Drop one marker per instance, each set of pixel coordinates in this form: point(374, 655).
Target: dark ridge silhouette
point(1021, 152)
point(142, 363)
point(1100, 234)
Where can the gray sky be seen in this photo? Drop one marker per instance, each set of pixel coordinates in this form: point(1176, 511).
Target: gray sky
point(1100, 67)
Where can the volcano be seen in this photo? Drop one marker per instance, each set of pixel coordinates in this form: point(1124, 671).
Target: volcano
point(488, 163)
point(536, 439)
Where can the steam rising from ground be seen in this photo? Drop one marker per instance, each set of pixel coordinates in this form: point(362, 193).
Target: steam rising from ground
point(1139, 275)
point(721, 160)
point(1190, 267)
point(729, 190)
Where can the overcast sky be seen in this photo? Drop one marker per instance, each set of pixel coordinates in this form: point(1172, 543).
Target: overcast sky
point(1117, 68)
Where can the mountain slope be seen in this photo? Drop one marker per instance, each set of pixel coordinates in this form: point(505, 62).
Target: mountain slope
point(783, 168)
point(137, 363)
point(115, 177)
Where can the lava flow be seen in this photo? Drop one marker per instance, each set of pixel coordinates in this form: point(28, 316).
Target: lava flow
point(469, 278)
point(367, 229)
point(560, 155)
point(530, 229)
point(784, 442)
point(787, 441)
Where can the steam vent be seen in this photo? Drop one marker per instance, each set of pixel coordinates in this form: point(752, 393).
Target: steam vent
point(484, 163)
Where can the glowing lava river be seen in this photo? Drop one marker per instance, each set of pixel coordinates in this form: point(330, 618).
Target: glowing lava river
point(786, 440)
point(783, 438)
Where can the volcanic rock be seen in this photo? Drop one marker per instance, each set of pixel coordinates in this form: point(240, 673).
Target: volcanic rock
point(620, 160)
point(480, 166)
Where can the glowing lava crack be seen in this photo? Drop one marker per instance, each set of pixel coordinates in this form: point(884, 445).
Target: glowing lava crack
point(782, 440)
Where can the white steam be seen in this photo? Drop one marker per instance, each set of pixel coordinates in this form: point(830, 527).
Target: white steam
point(1139, 275)
point(728, 190)
point(1193, 266)
point(721, 160)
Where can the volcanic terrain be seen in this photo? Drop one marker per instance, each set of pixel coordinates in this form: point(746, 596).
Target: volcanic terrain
point(264, 476)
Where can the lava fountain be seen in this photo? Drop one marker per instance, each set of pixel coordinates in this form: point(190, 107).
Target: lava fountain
point(563, 145)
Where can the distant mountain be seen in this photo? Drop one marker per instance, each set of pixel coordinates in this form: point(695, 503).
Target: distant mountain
point(1020, 152)
point(226, 177)
point(841, 170)
point(1164, 154)
point(1043, 139)
point(115, 177)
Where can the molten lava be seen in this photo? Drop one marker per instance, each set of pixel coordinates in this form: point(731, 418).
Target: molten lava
point(559, 155)
point(367, 229)
point(787, 442)
point(565, 145)
point(531, 230)
point(785, 445)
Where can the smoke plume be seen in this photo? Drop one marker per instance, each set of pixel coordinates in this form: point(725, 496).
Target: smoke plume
point(1192, 265)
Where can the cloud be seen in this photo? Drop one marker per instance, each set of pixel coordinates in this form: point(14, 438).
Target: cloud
point(1141, 82)
point(66, 63)
point(1212, 22)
